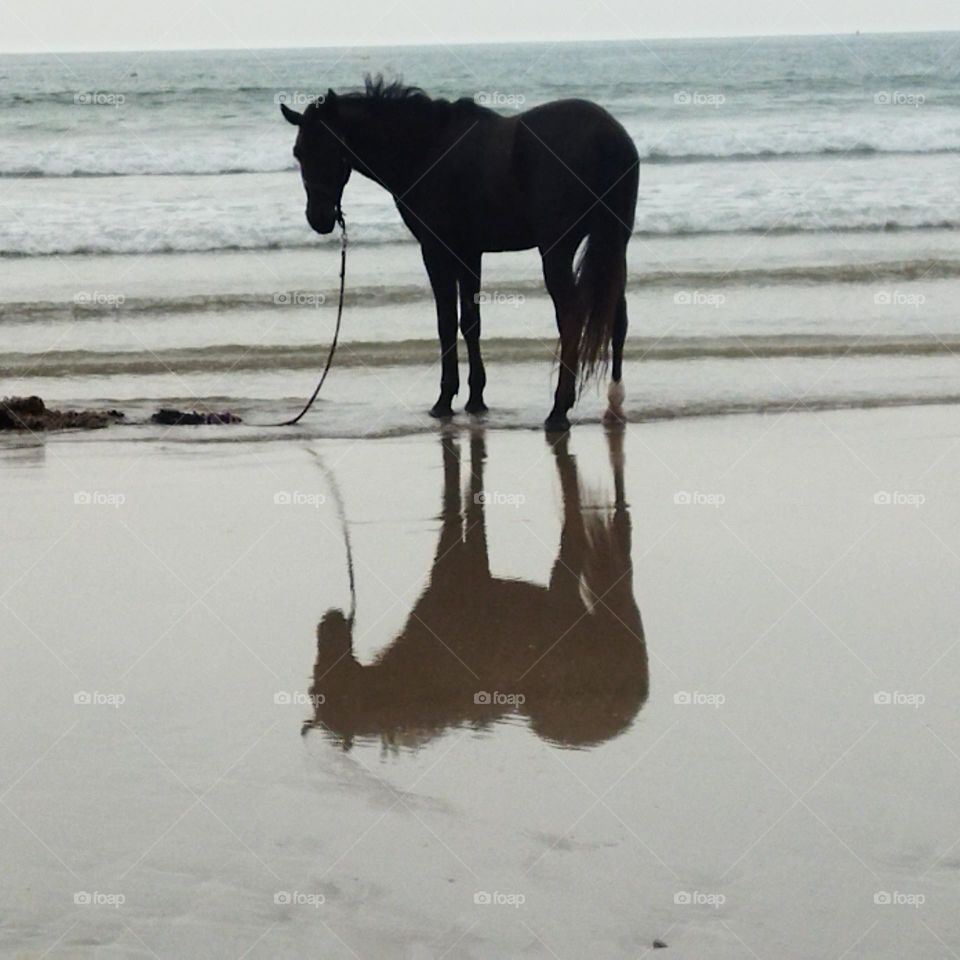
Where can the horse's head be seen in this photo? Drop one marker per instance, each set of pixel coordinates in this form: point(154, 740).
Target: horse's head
point(323, 158)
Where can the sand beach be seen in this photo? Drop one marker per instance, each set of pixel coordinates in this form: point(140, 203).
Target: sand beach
point(739, 736)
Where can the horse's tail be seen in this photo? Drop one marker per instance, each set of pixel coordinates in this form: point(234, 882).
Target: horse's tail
point(601, 273)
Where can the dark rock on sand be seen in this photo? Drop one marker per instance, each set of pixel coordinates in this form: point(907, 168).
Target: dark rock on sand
point(31, 413)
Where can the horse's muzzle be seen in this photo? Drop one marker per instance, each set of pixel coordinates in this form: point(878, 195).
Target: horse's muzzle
point(323, 221)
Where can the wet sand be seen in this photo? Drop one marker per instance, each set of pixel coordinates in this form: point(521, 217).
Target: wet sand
point(693, 684)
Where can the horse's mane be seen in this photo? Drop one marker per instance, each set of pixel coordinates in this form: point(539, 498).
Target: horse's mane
point(413, 101)
point(377, 88)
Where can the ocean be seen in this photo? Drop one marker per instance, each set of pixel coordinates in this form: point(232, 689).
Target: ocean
point(796, 241)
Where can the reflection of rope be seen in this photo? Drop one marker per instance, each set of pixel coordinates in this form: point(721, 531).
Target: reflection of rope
point(341, 512)
point(336, 331)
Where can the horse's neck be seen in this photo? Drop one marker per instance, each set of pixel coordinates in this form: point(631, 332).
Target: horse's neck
point(384, 152)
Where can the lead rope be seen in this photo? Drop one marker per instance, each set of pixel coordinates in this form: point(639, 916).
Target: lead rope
point(336, 330)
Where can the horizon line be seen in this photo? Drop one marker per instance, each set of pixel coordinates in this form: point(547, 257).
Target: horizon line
point(487, 43)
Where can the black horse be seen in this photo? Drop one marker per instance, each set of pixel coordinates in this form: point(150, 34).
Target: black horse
point(469, 181)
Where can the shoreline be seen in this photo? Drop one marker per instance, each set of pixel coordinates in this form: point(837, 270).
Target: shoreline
point(127, 429)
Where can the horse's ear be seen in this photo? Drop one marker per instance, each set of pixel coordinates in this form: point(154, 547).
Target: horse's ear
point(330, 103)
point(292, 116)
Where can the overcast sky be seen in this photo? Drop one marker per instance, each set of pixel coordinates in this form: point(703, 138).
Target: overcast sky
point(57, 25)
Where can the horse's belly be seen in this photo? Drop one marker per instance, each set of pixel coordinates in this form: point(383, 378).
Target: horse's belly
point(507, 228)
point(504, 243)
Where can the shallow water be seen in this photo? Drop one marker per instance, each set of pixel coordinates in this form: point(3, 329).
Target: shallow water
point(797, 203)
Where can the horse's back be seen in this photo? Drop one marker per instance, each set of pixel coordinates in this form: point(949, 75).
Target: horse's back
point(569, 153)
point(573, 130)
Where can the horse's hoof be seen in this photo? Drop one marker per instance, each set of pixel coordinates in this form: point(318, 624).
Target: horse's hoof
point(477, 407)
point(615, 417)
point(555, 424)
point(441, 411)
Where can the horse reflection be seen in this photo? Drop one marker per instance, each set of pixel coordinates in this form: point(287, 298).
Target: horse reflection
point(570, 656)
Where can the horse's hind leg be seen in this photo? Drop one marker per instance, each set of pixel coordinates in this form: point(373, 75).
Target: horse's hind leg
point(469, 282)
point(560, 283)
point(616, 393)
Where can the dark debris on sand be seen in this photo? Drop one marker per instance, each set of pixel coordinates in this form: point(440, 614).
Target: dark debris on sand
point(174, 418)
point(31, 413)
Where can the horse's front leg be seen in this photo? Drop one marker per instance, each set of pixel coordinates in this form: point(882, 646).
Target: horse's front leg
point(469, 282)
point(441, 268)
